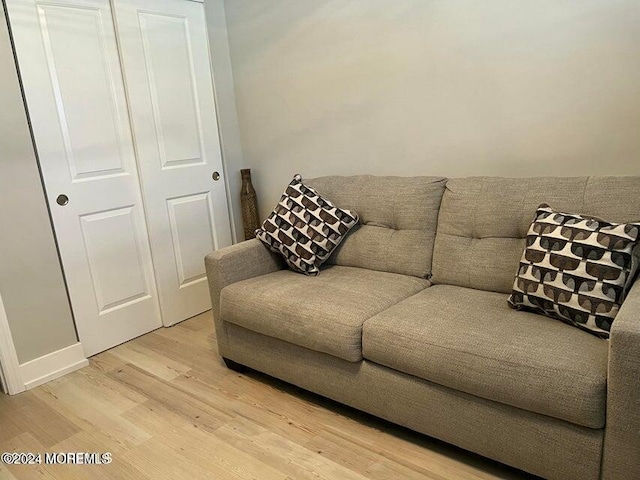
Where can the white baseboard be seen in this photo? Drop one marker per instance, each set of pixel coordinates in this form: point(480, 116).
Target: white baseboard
point(53, 365)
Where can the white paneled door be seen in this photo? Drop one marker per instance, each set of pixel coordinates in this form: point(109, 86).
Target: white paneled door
point(69, 62)
point(165, 55)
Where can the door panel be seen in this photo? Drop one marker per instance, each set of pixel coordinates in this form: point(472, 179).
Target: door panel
point(72, 80)
point(112, 247)
point(80, 77)
point(192, 235)
point(169, 63)
point(165, 54)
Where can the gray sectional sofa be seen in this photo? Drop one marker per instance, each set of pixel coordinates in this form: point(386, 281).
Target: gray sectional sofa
point(409, 321)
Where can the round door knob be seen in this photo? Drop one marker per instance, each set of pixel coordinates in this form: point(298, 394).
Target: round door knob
point(215, 176)
point(62, 199)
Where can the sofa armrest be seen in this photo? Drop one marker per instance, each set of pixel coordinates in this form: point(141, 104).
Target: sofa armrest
point(621, 457)
point(233, 264)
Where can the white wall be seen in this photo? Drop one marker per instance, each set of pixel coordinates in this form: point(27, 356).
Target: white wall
point(445, 87)
point(31, 280)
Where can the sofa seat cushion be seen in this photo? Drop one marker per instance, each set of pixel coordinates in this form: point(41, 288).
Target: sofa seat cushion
point(470, 340)
point(323, 313)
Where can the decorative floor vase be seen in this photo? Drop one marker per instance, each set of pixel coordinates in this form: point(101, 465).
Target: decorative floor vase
point(249, 202)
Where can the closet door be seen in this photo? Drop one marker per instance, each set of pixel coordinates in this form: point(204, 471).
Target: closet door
point(164, 49)
point(72, 81)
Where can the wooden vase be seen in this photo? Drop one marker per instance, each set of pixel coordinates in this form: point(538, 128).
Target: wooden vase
point(249, 203)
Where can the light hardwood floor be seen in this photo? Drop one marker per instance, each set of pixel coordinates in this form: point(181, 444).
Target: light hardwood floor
point(166, 407)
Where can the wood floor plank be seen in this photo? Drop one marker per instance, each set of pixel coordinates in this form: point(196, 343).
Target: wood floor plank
point(186, 336)
point(35, 418)
point(112, 395)
point(95, 441)
point(194, 356)
point(5, 474)
point(385, 469)
point(262, 405)
point(160, 462)
point(89, 412)
point(106, 362)
point(156, 419)
point(216, 456)
point(342, 451)
point(159, 365)
point(205, 415)
point(25, 442)
point(283, 453)
point(10, 428)
point(166, 407)
point(408, 452)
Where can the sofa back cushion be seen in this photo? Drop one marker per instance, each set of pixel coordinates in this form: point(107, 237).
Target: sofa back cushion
point(483, 221)
point(398, 218)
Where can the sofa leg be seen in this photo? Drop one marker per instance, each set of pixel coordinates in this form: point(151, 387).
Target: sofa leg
point(235, 366)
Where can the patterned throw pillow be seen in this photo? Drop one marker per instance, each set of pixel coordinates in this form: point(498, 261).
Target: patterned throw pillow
point(576, 269)
point(305, 227)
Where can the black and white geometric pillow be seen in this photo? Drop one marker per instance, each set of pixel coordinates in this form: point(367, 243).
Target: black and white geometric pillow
point(576, 269)
point(305, 227)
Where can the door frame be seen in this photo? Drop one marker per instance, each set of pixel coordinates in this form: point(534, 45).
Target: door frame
point(9, 365)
